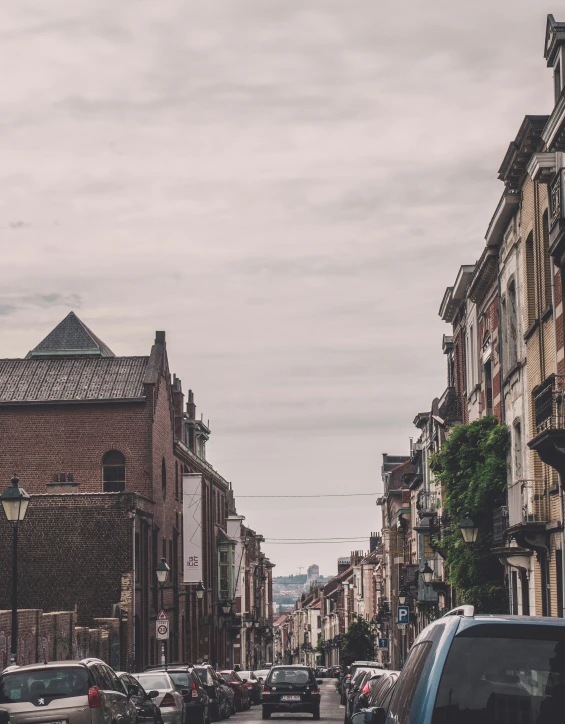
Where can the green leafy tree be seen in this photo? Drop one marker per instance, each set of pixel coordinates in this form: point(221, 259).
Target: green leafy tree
point(358, 644)
point(471, 467)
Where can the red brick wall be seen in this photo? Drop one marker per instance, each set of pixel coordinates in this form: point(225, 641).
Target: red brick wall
point(41, 440)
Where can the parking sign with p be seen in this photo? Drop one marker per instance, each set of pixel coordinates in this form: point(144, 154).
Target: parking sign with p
point(403, 615)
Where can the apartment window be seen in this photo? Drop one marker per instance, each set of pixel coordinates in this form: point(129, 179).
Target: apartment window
point(488, 387)
point(530, 280)
point(546, 262)
point(559, 581)
point(512, 326)
point(164, 478)
point(518, 456)
point(114, 472)
point(471, 359)
point(176, 480)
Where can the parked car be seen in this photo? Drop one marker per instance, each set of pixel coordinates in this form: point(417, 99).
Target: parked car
point(239, 689)
point(471, 668)
point(187, 684)
point(335, 671)
point(74, 692)
point(253, 685)
point(147, 710)
point(360, 678)
point(292, 689)
point(179, 704)
point(261, 674)
point(220, 703)
point(229, 694)
point(380, 698)
point(355, 666)
point(371, 691)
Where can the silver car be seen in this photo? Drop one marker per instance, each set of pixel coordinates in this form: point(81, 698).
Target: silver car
point(65, 692)
point(169, 700)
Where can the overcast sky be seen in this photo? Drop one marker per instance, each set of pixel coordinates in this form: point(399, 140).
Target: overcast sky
point(286, 187)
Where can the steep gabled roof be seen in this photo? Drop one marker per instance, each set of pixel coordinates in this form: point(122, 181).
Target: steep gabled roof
point(71, 338)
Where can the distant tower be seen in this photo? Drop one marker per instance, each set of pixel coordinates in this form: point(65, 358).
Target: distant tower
point(313, 572)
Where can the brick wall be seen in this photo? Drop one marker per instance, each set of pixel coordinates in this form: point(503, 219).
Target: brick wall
point(73, 550)
point(56, 637)
point(41, 440)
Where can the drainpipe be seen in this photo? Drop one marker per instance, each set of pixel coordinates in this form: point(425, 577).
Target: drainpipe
point(134, 516)
point(561, 514)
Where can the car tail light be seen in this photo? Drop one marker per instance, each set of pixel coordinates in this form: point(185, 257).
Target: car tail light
point(266, 691)
point(194, 690)
point(168, 700)
point(94, 697)
point(366, 689)
point(315, 691)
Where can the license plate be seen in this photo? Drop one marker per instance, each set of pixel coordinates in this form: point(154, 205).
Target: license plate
point(290, 697)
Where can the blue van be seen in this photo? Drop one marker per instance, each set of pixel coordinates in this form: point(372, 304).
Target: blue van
point(467, 669)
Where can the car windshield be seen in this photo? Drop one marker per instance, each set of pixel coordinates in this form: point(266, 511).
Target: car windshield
point(45, 684)
point(289, 677)
point(181, 679)
point(227, 677)
point(153, 681)
point(246, 674)
point(501, 679)
point(263, 673)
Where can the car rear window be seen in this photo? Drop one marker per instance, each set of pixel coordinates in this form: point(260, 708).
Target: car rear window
point(500, 679)
point(289, 677)
point(227, 677)
point(153, 681)
point(181, 679)
point(44, 685)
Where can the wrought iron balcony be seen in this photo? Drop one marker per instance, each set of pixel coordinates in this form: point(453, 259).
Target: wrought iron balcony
point(549, 412)
point(499, 526)
point(528, 503)
point(427, 502)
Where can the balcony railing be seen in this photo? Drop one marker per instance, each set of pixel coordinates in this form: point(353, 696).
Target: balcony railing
point(428, 501)
point(528, 502)
point(549, 404)
point(499, 525)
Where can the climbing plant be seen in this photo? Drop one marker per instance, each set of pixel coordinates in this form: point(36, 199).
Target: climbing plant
point(471, 467)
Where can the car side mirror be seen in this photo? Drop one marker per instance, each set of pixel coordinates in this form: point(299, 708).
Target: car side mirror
point(132, 690)
point(319, 681)
point(363, 700)
point(153, 694)
point(375, 716)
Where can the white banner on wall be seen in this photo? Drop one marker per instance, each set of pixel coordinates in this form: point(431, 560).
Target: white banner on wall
point(192, 527)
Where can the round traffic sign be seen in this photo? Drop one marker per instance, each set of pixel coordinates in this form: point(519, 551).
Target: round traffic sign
point(162, 629)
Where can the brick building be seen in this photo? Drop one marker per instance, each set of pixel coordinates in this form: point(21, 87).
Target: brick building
point(102, 443)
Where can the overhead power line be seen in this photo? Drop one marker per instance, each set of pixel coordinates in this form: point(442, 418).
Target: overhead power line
point(324, 538)
point(313, 542)
point(319, 495)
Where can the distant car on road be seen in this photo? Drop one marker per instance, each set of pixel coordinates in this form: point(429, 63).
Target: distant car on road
point(291, 689)
point(233, 680)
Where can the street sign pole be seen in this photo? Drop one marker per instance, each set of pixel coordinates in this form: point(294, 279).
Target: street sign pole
point(162, 633)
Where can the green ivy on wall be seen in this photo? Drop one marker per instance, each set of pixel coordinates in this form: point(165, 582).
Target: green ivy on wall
point(471, 467)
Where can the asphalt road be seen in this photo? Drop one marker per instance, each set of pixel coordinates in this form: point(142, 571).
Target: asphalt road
point(330, 709)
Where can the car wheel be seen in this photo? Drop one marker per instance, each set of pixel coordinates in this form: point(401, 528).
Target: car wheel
point(265, 714)
point(317, 713)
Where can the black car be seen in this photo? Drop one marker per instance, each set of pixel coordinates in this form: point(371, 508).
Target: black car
point(220, 705)
point(187, 682)
point(291, 689)
point(379, 699)
point(147, 710)
point(358, 682)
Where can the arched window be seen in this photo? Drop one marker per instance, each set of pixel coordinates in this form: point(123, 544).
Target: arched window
point(512, 332)
point(114, 472)
point(164, 478)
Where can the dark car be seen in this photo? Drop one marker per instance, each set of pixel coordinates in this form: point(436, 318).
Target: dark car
point(381, 696)
point(482, 670)
point(376, 687)
point(355, 666)
point(291, 689)
point(233, 680)
point(147, 710)
point(73, 692)
point(187, 682)
point(220, 704)
point(253, 685)
point(359, 680)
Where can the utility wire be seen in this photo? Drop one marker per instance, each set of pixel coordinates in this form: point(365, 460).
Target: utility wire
point(313, 542)
point(319, 495)
point(327, 537)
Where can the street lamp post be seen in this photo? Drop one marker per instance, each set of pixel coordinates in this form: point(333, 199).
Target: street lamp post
point(14, 501)
point(469, 530)
point(162, 571)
